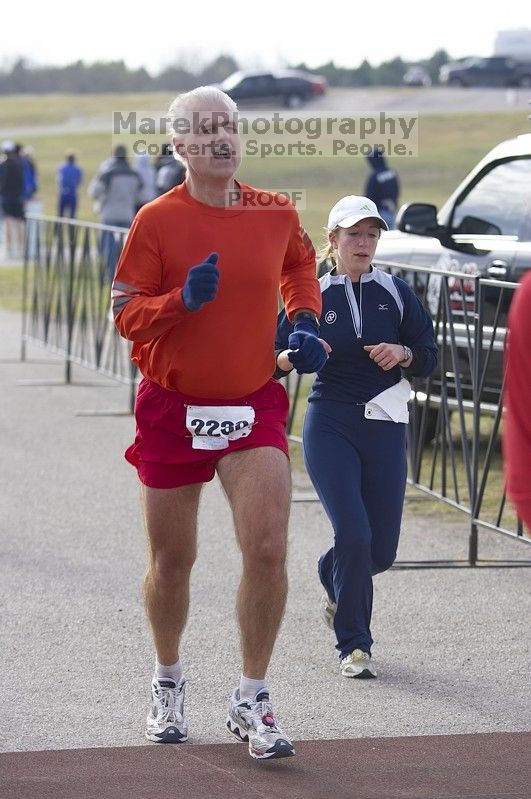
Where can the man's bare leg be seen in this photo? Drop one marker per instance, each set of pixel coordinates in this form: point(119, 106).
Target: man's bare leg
point(258, 484)
point(171, 526)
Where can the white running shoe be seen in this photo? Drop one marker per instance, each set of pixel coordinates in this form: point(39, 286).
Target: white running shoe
point(165, 722)
point(253, 721)
point(327, 609)
point(357, 664)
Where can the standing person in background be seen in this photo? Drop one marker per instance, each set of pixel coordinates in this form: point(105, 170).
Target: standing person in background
point(116, 189)
point(31, 181)
point(12, 188)
point(69, 178)
point(32, 204)
point(146, 170)
point(383, 187)
point(196, 291)
point(354, 436)
point(517, 395)
point(171, 170)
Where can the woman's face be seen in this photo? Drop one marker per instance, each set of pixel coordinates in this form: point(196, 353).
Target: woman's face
point(212, 148)
point(355, 246)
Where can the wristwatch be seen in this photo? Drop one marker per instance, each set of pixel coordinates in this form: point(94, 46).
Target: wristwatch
point(407, 354)
point(300, 315)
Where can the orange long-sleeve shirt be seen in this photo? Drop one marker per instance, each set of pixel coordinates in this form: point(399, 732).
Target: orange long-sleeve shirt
point(226, 349)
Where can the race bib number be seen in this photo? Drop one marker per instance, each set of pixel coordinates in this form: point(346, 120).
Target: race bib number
point(213, 426)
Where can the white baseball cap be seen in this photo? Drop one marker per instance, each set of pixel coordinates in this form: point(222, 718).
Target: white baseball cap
point(352, 209)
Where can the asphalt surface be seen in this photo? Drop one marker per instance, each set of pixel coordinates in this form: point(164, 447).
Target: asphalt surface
point(451, 645)
point(433, 100)
point(350, 102)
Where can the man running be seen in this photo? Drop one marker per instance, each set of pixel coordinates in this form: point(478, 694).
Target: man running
point(196, 291)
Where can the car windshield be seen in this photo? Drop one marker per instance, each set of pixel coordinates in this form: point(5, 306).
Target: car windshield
point(474, 62)
point(489, 207)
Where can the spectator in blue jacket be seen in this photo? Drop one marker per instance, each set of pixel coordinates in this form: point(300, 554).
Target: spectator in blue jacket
point(383, 187)
point(69, 178)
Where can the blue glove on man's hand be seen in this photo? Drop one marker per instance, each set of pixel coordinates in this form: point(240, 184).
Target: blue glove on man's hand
point(309, 354)
point(301, 329)
point(201, 283)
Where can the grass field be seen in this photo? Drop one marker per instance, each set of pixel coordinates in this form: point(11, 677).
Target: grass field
point(449, 145)
point(11, 288)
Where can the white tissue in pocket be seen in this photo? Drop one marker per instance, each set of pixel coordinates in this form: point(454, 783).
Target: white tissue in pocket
point(390, 405)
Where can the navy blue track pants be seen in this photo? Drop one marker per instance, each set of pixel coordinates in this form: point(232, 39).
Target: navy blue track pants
point(358, 468)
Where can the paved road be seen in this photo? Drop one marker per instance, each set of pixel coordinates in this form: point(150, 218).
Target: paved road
point(75, 657)
point(434, 100)
point(349, 102)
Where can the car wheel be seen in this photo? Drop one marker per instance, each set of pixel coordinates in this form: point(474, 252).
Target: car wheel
point(525, 82)
point(293, 100)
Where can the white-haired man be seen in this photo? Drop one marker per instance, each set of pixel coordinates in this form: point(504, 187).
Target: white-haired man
point(196, 292)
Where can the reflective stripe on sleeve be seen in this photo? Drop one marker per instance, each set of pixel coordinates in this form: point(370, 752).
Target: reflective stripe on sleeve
point(121, 294)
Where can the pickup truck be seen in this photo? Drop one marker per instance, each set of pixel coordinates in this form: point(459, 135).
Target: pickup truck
point(500, 71)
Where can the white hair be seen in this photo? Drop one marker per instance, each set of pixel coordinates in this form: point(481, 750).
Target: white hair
point(199, 99)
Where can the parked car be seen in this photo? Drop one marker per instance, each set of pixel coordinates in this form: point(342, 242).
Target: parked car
point(416, 76)
point(494, 71)
point(290, 87)
point(484, 228)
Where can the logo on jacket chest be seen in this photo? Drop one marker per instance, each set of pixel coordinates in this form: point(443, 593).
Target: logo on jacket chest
point(330, 317)
point(383, 306)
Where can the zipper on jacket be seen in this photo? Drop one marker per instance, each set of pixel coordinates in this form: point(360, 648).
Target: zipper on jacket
point(360, 309)
point(352, 299)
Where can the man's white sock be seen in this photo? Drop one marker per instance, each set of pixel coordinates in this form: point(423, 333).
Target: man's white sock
point(174, 672)
point(249, 688)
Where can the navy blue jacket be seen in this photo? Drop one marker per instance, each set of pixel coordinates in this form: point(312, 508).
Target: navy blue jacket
point(387, 310)
point(382, 186)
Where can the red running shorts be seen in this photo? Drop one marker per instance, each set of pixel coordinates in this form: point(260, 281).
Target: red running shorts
point(163, 453)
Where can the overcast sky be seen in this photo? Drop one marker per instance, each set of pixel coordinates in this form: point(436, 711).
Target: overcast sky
point(262, 34)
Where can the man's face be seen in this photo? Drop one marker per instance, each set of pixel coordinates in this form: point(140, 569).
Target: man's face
point(211, 147)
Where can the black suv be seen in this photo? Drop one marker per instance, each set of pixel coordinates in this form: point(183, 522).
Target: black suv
point(493, 71)
point(290, 87)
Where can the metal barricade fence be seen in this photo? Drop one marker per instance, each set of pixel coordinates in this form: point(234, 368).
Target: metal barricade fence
point(453, 439)
point(68, 269)
point(454, 435)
